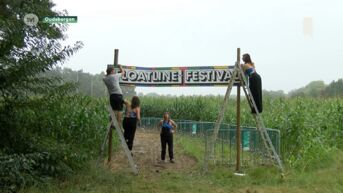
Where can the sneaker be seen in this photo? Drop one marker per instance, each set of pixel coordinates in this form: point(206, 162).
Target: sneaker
point(172, 161)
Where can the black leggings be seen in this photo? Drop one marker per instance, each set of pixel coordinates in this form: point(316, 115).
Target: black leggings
point(167, 138)
point(130, 126)
point(255, 85)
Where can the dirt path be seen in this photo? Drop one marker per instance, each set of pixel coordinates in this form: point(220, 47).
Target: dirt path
point(147, 152)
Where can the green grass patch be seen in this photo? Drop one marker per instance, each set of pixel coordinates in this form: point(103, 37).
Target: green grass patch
point(218, 179)
point(192, 146)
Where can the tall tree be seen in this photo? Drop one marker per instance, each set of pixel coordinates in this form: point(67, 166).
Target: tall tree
point(27, 51)
point(335, 89)
point(313, 89)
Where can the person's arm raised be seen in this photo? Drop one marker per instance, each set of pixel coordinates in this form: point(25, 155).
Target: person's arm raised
point(121, 70)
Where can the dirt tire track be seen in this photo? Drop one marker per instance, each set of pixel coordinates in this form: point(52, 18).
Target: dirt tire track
point(146, 154)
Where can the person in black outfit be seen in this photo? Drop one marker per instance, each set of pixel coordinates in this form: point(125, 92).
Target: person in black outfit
point(167, 127)
point(132, 117)
point(255, 82)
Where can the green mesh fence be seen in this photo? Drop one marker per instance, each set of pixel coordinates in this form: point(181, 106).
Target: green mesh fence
point(252, 147)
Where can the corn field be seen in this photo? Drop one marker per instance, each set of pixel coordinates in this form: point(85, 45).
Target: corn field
point(310, 128)
point(56, 135)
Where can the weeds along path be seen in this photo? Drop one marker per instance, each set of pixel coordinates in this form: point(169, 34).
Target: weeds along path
point(147, 152)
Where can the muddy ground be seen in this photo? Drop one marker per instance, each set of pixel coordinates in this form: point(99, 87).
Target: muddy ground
point(147, 152)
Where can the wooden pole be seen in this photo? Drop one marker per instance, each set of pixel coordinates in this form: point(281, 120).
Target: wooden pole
point(110, 135)
point(222, 111)
point(116, 54)
point(238, 129)
point(238, 118)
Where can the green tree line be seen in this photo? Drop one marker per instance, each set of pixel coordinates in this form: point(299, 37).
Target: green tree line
point(315, 89)
point(320, 89)
point(86, 83)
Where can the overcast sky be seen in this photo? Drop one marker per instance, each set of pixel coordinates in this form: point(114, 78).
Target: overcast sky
point(157, 33)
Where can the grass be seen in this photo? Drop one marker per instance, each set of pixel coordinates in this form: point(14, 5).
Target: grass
point(193, 147)
point(217, 180)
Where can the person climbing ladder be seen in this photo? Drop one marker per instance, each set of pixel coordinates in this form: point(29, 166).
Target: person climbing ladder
point(167, 127)
point(255, 83)
point(111, 81)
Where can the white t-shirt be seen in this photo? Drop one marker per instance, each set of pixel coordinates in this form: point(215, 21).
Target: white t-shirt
point(112, 83)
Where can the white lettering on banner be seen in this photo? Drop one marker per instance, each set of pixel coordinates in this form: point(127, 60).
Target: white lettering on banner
point(212, 76)
point(152, 77)
point(177, 76)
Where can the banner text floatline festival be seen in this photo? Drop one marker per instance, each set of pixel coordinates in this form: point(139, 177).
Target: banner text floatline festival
point(177, 76)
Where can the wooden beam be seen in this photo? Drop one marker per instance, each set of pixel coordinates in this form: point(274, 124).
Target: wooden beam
point(110, 135)
point(238, 130)
point(238, 120)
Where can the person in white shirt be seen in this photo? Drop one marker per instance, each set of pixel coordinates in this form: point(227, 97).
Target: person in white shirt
point(111, 81)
